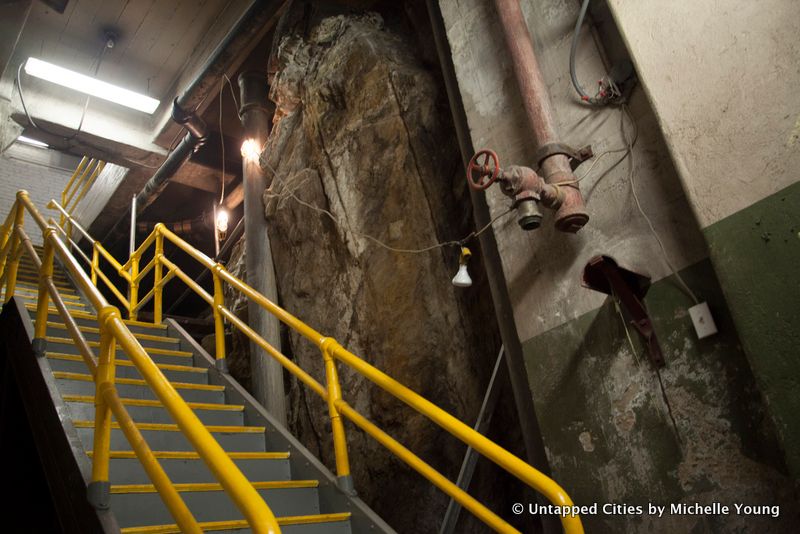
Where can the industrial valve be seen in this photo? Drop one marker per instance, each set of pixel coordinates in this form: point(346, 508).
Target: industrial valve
point(525, 187)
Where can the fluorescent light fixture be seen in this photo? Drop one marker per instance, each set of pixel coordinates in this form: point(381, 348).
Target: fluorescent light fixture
point(32, 142)
point(90, 86)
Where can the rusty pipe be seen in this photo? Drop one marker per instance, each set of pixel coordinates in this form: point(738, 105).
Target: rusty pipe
point(571, 215)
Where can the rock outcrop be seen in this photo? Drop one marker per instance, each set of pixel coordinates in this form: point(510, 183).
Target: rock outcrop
point(364, 167)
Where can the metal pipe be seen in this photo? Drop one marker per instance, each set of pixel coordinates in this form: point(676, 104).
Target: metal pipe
point(132, 243)
point(571, 216)
point(493, 263)
point(158, 182)
point(256, 119)
point(246, 32)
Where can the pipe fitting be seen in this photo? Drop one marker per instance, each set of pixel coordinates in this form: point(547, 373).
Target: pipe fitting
point(189, 120)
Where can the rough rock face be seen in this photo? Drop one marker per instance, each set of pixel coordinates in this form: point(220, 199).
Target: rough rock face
point(362, 153)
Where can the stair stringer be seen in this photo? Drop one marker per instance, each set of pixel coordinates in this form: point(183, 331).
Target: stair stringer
point(304, 465)
point(66, 465)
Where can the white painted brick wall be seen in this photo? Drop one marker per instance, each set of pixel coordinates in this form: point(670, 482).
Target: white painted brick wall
point(41, 182)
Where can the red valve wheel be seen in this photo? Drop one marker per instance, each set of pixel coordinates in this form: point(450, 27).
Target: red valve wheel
point(477, 173)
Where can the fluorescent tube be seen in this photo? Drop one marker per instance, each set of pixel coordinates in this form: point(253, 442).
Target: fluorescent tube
point(90, 86)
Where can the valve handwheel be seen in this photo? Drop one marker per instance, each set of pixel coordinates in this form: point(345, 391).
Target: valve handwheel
point(481, 176)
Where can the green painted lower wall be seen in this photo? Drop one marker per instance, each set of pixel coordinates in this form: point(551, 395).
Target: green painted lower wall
point(756, 254)
point(610, 434)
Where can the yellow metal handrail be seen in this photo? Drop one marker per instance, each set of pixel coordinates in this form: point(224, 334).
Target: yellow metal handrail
point(113, 332)
point(332, 352)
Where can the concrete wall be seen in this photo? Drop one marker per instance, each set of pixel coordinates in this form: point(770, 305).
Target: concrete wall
point(615, 430)
point(725, 94)
point(43, 173)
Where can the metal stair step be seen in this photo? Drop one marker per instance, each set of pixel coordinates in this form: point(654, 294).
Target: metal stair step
point(66, 345)
point(169, 437)
point(152, 411)
point(90, 319)
point(92, 333)
point(187, 467)
point(66, 290)
point(73, 363)
point(133, 388)
point(34, 293)
point(310, 524)
point(209, 503)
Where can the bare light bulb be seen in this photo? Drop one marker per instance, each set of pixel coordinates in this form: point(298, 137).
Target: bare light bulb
point(462, 278)
point(250, 150)
point(222, 222)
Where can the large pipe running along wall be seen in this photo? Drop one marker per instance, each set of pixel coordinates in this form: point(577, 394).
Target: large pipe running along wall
point(267, 373)
point(555, 169)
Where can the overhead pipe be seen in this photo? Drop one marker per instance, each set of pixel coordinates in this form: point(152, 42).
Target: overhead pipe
point(250, 27)
point(552, 158)
point(194, 138)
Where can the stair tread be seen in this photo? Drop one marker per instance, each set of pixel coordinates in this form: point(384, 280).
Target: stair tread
point(189, 455)
point(158, 404)
point(35, 292)
point(214, 486)
point(152, 350)
point(241, 523)
point(91, 316)
point(128, 363)
point(136, 381)
point(166, 427)
point(93, 330)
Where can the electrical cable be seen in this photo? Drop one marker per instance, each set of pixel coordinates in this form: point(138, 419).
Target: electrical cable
point(222, 138)
point(607, 91)
point(474, 234)
point(631, 180)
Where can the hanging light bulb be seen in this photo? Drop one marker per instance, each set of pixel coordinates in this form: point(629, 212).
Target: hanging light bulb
point(462, 278)
point(222, 223)
point(250, 150)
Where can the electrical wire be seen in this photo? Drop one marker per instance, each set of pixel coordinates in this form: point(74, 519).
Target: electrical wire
point(632, 181)
point(222, 138)
point(290, 193)
point(607, 90)
point(605, 153)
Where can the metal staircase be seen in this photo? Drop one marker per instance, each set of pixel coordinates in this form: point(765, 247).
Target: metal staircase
point(135, 502)
point(153, 435)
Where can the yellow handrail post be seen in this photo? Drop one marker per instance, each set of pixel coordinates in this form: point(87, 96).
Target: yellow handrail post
point(133, 292)
point(157, 275)
point(219, 325)
point(78, 170)
point(45, 273)
point(344, 479)
point(95, 263)
point(99, 491)
point(19, 220)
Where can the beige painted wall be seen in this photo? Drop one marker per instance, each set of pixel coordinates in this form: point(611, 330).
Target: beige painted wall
point(723, 79)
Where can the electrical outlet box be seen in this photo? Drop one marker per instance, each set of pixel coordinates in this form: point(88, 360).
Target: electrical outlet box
point(702, 320)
